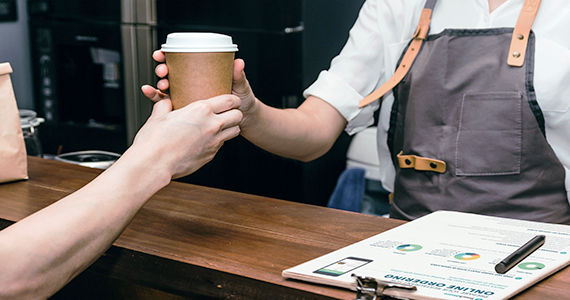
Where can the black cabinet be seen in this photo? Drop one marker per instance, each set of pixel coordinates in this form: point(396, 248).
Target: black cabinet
point(78, 83)
point(89, 59)
point(285, 44)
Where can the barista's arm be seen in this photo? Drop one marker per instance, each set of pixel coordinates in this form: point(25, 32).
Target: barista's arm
point(304, 133)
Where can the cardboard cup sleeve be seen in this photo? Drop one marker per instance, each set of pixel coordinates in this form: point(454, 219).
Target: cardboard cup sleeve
point(198, 76)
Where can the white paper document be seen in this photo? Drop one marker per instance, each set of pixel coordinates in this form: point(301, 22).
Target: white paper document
point(446, 255)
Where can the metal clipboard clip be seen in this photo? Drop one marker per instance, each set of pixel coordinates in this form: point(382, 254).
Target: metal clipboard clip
point(369, 288)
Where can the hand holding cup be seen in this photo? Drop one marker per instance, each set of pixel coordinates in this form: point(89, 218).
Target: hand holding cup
point(239, 86)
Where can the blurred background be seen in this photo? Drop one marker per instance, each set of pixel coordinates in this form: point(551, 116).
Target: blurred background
point(80, 65)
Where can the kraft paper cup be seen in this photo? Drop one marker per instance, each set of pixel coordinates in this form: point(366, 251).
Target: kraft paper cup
point(200, 66)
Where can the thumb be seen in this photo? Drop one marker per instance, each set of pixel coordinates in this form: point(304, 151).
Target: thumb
point(239, 82)
point(161, 108)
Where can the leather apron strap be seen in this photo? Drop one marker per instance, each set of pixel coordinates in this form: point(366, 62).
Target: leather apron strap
point(517, 51)
point(419, 36)
point(521, 33)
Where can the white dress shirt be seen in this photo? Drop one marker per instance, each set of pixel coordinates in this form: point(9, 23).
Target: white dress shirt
point(383, 29)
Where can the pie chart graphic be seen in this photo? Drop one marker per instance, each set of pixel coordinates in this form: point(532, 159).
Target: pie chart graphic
point(531, 266)
point(409, 247)
point(467, 256)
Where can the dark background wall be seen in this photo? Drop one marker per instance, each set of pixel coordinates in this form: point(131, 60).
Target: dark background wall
point(327, 24)
point(285, 45)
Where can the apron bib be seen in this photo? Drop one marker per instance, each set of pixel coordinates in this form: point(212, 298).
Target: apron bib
point(466, 132)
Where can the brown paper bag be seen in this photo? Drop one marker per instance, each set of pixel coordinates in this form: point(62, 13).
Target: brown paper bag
point(13, 160)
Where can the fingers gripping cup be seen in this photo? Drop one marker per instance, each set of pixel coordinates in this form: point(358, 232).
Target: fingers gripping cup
point(200, 66)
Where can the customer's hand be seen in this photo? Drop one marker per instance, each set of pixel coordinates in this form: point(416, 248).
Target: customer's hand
point(240, 86)
point(180, 142)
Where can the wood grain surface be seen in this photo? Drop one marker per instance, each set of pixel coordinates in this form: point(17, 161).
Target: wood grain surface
point(196, 242)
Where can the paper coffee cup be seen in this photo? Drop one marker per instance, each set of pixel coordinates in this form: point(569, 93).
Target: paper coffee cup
point(200, 66)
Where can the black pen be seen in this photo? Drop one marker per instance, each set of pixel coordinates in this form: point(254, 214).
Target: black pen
point(520, 254)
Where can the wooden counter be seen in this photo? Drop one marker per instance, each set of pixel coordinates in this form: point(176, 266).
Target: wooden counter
point(196, 242)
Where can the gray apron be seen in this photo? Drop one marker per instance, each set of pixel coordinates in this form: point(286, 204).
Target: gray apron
point(462, 106)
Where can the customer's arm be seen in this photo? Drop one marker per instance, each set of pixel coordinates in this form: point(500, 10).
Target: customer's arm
point(44, 251)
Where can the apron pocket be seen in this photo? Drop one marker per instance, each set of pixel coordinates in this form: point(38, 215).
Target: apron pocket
point(489, 136)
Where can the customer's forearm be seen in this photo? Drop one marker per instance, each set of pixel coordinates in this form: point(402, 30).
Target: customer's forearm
point(46, 250)
point(304, 133)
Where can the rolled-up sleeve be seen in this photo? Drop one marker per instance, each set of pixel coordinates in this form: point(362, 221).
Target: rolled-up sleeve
point(344, 98)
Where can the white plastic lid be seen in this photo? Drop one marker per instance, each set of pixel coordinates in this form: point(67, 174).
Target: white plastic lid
point(198, 42)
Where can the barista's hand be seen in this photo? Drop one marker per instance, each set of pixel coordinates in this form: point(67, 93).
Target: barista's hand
point(240, 86)
point(180, 142)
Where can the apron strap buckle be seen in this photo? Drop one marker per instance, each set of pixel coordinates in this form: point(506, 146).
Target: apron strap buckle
point(421, 163)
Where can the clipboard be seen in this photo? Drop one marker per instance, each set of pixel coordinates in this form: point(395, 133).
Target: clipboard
point(444, 255)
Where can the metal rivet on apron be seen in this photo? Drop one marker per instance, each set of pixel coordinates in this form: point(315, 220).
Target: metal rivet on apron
point(432, 165)
point(408, 162)
point(520, 37)
point(516, 54)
